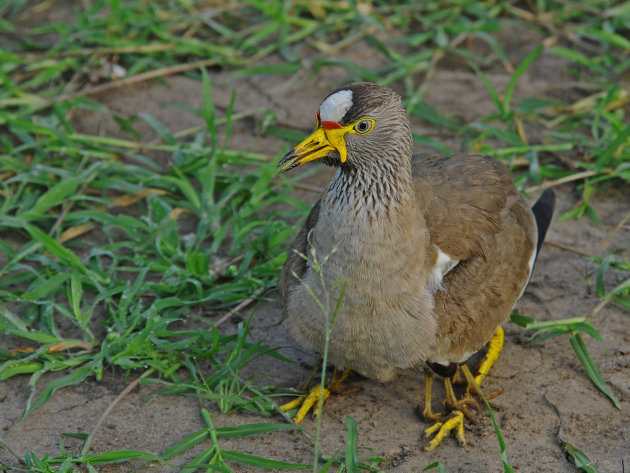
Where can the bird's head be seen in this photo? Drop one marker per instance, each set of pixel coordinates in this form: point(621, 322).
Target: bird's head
point(357, 125)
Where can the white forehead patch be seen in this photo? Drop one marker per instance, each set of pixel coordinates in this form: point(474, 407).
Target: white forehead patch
point(335, 106)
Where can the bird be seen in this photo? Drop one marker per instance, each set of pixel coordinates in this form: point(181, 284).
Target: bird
point(425, 255)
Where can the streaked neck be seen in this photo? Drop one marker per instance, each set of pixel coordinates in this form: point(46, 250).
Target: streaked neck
point(380, 190)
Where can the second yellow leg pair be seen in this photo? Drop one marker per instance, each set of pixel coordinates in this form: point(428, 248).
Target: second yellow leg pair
point(309, 401)
point(458, 408)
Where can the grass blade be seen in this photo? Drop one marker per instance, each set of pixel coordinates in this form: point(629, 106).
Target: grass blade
point(44, 289)
point(582, 353)
point(489, 87)
point(438, 465)
point(583, 462)
point(55, 248)
point(600, 289)
point(54, 196)
point(185, 444)
point(12, 368)
point(506, 466)
point(352, 454)
point(159, 128)
point(209, 112)
point(119, 456)
point(253, 460)
point(252, 429)
point(74, 377)
point(518, 72)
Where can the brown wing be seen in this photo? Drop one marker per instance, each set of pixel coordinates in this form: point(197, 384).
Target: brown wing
point(464, 196)
point(475, 214)
point(295, 262)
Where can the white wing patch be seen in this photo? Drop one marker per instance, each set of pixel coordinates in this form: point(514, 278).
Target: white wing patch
point(335, 106)
point(442, 266)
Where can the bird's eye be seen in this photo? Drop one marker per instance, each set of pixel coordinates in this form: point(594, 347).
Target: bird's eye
point(363, 126)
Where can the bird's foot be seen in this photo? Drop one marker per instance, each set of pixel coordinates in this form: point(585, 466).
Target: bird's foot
point(460, 407)
point(455, 422)
point(443, 429)
point(459, 411)
point(309, 401)
point(306, 402)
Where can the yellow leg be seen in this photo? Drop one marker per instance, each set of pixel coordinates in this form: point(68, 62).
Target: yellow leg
point(473, 386)
point(494, 349)
point(306, 402)
point(453, 403)
point(427, 412)
point(449, 397)
point(309, 379)
point(338, 379)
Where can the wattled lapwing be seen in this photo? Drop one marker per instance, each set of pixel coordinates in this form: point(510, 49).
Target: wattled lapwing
point(431, 252)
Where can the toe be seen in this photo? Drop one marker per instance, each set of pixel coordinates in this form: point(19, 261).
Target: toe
point(456, 423)
point(311, 400)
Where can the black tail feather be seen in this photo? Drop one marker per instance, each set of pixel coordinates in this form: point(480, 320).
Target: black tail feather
point(543, 211)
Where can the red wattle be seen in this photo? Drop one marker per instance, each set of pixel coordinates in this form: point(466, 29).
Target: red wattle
point(330, 125)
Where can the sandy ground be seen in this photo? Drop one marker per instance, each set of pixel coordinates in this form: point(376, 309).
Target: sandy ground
point(386, 414)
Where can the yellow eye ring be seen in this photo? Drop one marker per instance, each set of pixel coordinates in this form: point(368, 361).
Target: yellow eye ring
point(363, 126)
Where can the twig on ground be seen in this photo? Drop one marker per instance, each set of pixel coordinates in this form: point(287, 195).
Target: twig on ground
point(614, 231)
point(88, 442)
point(598, 308)
point(567, 248)
point(61, 218)
point(563, 180)
point(163, 72)
point(239, 307)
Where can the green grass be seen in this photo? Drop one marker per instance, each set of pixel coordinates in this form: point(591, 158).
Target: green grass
point(105, 252)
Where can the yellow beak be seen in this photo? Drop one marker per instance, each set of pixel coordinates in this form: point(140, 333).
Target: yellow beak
point(316, 146)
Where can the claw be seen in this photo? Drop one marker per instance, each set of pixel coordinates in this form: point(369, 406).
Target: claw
point(443, 429)
point(297, 402)
point(311, 400)
point(306, 402)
